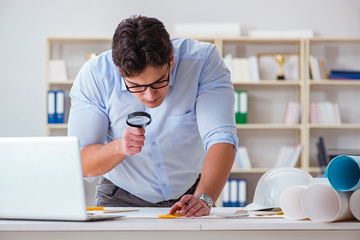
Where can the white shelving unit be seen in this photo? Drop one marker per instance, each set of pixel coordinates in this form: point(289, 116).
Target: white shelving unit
point(74, 51)
point(344, 54)
point(265, 132)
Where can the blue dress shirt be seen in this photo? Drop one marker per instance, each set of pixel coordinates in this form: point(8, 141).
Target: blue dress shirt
point(196, 113)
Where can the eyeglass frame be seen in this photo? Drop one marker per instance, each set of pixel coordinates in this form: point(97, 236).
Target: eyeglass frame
point(149, 85)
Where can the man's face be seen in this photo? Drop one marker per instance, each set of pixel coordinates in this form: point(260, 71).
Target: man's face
point(158, 77)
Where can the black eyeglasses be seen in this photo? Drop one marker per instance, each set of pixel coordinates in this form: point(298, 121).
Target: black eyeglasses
point(155, 85)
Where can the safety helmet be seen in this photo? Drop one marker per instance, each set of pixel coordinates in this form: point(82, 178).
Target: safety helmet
point(273, 183)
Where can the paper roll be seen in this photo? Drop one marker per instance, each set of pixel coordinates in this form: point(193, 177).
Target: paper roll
point(344, 173)
point(321, 202)
point(355, 204)
point(290, 202)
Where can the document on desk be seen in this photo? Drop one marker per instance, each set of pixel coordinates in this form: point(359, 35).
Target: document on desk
point(226, 213)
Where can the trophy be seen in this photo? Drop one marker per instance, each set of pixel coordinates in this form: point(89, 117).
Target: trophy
point(90, 55)
point(280, 59)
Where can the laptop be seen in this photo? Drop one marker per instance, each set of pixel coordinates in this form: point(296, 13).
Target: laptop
point(41, 179)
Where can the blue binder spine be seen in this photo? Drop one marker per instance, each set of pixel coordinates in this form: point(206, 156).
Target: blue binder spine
point(60, 106)
point(226, 195)
point(51, 106)
point(242, 192)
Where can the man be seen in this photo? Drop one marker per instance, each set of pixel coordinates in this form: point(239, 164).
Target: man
point(183, 158)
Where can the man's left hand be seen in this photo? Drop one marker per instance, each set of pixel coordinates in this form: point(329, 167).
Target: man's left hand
point(190, 205)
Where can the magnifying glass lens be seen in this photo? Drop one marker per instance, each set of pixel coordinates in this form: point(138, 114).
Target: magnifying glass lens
point(138, 119)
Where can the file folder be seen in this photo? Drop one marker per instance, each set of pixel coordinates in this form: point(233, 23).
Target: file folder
point(235, 193)
point(242, 192)
point(226, 195)
point(60, 106)
point(241, 107)
point(51, 103)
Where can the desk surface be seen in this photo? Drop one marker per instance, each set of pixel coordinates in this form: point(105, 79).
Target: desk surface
point(144, 223)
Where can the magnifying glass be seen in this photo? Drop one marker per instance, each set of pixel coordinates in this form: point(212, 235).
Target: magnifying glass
point(138, 119)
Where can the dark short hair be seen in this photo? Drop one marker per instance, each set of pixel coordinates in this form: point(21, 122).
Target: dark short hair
point(140, 41)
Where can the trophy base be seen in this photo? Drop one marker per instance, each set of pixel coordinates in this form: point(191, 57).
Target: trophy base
point(280, 77)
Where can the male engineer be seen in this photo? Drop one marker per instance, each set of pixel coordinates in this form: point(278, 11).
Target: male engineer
point(183, 158)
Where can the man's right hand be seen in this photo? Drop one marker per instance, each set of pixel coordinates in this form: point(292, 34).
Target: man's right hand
point(132, 140)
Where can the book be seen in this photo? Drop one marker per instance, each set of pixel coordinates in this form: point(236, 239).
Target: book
point(325, 113)
point(323, 158)
point(57, 70)
point(315, 68)
point(241, 72)
point(254, 69)
point(242, 160)
point(292, 113)
point(288, 156)
point(241, 106)
point(344, 74)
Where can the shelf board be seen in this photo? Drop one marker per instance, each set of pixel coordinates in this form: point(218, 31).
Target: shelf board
point(67, 82)
point(57, 126)
point(79, 40)
point(328, 82)
point(267, 126)
point(334, 126)
point(266, 82)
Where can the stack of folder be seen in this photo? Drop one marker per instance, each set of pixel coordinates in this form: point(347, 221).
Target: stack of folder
point(56, 106)
point(234, 193)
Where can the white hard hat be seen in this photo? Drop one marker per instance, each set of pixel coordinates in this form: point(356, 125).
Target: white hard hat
point(273, 183)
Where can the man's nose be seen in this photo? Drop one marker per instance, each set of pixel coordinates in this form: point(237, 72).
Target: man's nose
point(150, 93)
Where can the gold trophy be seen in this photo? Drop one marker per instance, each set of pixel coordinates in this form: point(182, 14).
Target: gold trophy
point(280, 59)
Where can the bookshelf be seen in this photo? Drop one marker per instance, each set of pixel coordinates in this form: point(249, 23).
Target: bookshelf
point(337, 54)
point(265, 132)
point(74, 51)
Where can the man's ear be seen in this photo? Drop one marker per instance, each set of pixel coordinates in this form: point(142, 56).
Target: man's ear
point(119, 71)
point(172, 61)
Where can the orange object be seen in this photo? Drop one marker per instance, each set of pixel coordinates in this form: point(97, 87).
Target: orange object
point(94, 208)
point(175, 215)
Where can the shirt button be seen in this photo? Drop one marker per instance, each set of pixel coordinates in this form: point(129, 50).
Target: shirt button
point(153, 143)
point(158, 165)
point(164, 185)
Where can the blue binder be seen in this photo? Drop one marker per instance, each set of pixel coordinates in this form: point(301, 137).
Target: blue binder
point(51, 105)
point(60, 106)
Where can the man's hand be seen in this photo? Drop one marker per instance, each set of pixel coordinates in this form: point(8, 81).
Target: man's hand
point(190, 205)
point(132, 140)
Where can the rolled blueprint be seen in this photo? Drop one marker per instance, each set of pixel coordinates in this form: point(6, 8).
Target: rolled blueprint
point(321, 202)
point(290, 202)
point(344, 173)
point(355, 204)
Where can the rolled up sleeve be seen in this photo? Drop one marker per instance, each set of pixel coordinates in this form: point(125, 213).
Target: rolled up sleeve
point(215, 103)
point(88, 118)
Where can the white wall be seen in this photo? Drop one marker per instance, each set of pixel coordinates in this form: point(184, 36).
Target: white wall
point(24, 26)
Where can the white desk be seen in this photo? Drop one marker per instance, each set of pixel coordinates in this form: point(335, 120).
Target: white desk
point(145, 225)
